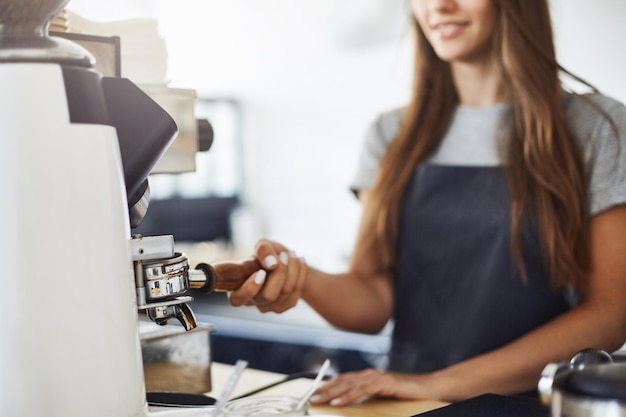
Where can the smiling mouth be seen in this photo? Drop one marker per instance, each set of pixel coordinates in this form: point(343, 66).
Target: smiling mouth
point(449, 29)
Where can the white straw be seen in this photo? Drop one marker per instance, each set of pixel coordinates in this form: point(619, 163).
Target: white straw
point(315, 384)
point(229, 387)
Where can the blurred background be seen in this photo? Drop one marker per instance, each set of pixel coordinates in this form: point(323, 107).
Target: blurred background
point(290, 88)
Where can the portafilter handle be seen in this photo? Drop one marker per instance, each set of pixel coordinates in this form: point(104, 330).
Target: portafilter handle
point(222, 276)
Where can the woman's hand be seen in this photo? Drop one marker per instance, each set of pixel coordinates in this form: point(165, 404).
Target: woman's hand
point(278, 286)
point(353, 387)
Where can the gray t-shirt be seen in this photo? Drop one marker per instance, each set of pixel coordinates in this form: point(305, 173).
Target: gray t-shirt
point(471, 141)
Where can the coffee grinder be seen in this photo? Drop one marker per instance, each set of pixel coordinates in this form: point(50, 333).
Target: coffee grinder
point(75, 152)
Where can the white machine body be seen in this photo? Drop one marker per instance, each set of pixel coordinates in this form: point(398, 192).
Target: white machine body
point(69, 342)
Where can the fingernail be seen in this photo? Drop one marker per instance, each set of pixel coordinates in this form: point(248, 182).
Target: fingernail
point(260, 277)
point(335, 401)
point(293, 254)
point(284, 258)
point(302, 260)
point(315, 398)
point(270, 261)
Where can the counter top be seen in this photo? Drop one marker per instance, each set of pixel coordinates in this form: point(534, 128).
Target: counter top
point(252, 379)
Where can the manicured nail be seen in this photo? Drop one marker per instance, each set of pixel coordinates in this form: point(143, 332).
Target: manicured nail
point(335, 401)
point(293, 254)
point(284, 258)
point(315, 398)
point(270, 261)
point(260, 277)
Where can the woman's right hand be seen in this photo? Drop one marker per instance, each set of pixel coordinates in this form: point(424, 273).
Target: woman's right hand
point(278, 286)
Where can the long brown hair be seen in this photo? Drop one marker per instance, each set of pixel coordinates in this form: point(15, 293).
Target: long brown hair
point(546, 174)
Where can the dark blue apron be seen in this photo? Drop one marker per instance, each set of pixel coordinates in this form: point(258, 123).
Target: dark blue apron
point(457, 292)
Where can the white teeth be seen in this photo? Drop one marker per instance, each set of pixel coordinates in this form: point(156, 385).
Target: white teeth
point(446, 27)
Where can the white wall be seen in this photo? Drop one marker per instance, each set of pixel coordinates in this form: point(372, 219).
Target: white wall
point(590, 37)
point(307, 99)
point(309, 88)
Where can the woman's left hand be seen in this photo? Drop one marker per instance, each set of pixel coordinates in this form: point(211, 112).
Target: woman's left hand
point(352, 387)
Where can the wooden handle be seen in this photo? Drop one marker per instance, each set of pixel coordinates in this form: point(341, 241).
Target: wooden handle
point(224, 276)
point(231, 275)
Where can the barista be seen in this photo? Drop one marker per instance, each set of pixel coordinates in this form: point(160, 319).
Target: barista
point(494, 221)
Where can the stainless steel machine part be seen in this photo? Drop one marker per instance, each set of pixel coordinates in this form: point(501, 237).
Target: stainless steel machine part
point(179, 311)
point(176, 360)
point(590, 385)
point(166, 278)
point(161, 280)
point(23, 35)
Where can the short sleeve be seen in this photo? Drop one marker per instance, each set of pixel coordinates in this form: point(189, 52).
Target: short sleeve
point(377, 139)
point(604, 152)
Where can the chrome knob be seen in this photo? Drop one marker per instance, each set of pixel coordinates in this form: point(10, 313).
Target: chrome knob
point(588, 357)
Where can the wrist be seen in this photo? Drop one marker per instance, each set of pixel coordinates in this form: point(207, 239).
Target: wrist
point(307, 280)
point(415, 386)
point(440, 385)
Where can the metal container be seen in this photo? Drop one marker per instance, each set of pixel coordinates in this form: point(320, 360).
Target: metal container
point(591, 385)
point(176, 360)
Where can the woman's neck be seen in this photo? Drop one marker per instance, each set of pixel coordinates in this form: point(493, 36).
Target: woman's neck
point(478, 85)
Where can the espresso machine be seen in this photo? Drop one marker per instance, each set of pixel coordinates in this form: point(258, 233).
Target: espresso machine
point(76, 149)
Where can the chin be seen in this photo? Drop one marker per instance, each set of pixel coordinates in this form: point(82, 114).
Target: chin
point(459, 57)
point(449, 57)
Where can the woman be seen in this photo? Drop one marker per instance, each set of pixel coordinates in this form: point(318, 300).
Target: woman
point(494, 223)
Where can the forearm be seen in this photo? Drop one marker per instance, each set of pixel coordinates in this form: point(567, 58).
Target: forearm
point(517, 366)
point(348, 301)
